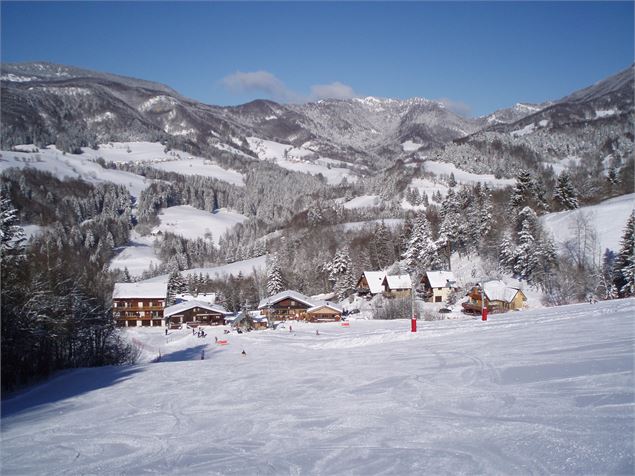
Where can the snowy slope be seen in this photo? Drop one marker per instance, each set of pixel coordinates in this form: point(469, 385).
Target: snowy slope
point(463, 177)
point(137, 256)
point(193, 223)
point(246, 267)
point(538, 392)
point(607, 218)
point(202, 167)
point(84, 165)
point(363, 201)
point(71, 166)
point(297, 159)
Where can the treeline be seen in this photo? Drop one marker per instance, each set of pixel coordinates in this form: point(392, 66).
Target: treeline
point(55, 303)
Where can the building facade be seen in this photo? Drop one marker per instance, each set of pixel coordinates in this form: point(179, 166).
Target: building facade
point(139, 304)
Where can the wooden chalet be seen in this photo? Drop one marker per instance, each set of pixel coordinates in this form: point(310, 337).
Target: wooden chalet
point(370, 283)
point(286, 305)
point(139, 304)
point(397, 286)
point(437, 285)
point(498, 298)
point(325, 312)
point(195, 312)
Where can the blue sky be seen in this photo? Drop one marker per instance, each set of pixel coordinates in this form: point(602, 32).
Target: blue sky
point(477, 56)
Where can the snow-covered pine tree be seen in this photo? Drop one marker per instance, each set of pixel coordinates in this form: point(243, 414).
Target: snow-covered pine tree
point(416, 242)
point(342, 273)
point(176, 285)
point(383, 246)
point(275, 281)
point(527, 192)
point(564, 193)
point(624, 279)
point(12, 236)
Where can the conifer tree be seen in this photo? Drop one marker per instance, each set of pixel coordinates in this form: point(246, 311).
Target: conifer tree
point(275, 281)
point(342, 273)
point(624, 279)
point(176, 285)
point(565, 194)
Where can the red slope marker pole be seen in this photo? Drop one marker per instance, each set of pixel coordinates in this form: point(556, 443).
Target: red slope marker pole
point(413, 324)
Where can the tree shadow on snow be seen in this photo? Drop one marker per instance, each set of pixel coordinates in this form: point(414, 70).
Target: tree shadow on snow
point(64, 386)
point(191, 353)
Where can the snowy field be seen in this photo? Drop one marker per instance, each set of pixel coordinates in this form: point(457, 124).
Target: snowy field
point(246, 267)
point(71, 166)
point(84, 165)
point(363, 201)
point(297, 159)
point(192, 223)
point(537, 392)
point(137, 256)
point(608, 219)
point(463, 177)
point(201, 167)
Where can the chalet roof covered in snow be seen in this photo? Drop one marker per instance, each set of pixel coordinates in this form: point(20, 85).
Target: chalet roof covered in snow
point(209, 298)
point(328, 305)
point(187, 305)
point(288, 294)
point(140, 290)
point(398, 281)
point(375, 281)
point(498, 291)
point(441, 279)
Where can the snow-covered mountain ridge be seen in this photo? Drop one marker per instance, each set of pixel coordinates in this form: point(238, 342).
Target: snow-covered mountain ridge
point(43, 101)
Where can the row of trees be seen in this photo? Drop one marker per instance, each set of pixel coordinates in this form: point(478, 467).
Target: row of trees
point(53, 317)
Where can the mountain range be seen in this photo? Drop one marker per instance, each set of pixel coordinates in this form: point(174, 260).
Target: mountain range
point(42, 102)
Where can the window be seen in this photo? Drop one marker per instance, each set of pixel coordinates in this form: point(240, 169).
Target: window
point(438, 298)
point(140, 303)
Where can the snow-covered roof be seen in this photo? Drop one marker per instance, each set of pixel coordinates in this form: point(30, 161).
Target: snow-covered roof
point(375, 281)
point(325, 304)
point(186, 305)
point(499, 291)
point(288, 294)
point(441, 279)
point(399, 281)
point(209, 298)
point(140, 290)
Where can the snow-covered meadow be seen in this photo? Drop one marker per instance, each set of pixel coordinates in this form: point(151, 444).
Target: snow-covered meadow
point(84, 165)
point(299, 159)
point(548, 391)
point(193, 223)
point(607, 219)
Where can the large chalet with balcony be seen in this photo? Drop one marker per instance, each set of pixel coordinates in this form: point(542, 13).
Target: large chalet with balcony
point(292, 305)
point(139, 304)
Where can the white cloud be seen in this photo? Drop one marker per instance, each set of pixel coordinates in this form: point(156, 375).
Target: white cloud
point(335, 90)
point(458, 107)
point(258, 81)
point(266, 83)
